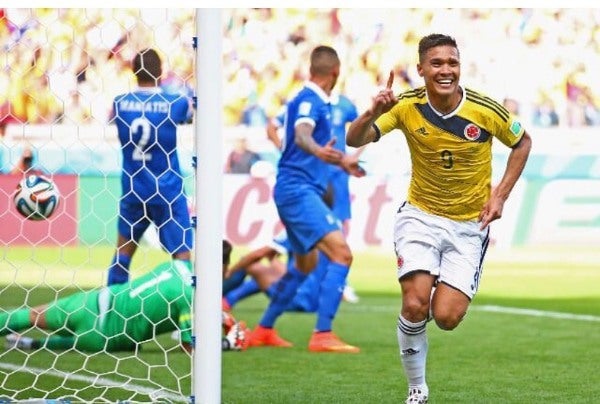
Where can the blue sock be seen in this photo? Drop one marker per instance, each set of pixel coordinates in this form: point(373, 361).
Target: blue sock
point(118, 272)
point(271, 290)
point(307, 297)
point(330, 295)
point(282, 294)
point(248, 288)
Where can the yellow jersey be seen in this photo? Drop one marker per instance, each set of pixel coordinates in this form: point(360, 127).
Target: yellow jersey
point(451, 154)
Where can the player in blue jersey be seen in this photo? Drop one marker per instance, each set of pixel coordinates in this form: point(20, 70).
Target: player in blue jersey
point(343, 112)
point(441, 232)
point(302, 179)
point(151, 180)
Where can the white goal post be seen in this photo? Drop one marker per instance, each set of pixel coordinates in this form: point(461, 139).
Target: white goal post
point(209, 188)
point(62, 69)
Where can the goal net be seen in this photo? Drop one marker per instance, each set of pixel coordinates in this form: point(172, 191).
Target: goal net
point(62, 69)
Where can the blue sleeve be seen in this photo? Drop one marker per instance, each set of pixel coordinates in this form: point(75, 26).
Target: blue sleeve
point(310, 109)
point(180, 110)
point(352, 112)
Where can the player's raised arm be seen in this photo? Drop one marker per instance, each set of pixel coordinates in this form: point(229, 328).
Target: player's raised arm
point(362, 131)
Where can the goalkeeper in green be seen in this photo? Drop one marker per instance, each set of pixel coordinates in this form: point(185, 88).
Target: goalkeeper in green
point(121, 316)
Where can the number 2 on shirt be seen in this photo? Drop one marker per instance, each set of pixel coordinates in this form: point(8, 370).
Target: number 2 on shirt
point(141, 125)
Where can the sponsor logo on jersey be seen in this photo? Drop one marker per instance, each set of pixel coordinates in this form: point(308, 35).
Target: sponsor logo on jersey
point(422, 131)
point(515, 128)
point(304, 108)
point(337, 117)
point(400, 261)
point(331, 219)
point(472, 132)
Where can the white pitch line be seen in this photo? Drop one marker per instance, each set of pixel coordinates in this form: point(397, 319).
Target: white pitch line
point(492, 309)
point(536, 313)
point(97, 381)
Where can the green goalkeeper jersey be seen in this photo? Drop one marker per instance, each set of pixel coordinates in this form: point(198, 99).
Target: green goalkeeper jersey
point(119, 317)
point(158, 302)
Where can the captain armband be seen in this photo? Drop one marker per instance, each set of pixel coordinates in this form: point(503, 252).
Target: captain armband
point(377, 133)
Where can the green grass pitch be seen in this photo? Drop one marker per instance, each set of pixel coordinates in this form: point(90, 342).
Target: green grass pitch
point(529, 337)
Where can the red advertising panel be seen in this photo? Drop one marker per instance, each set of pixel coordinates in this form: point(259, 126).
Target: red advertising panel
point(59, 229)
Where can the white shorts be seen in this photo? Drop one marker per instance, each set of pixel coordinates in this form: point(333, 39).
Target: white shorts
point(451, 250)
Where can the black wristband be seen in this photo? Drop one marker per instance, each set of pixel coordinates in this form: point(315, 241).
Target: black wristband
point(377, 133)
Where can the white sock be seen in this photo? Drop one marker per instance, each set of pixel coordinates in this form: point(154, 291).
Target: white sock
point(412, 341)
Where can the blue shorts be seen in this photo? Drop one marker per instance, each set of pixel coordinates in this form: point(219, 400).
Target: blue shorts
point(341, 194)
point(306, 218)
point(172, 220)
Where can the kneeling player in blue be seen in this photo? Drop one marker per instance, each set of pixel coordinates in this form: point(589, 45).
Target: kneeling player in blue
point(252, 265)
point(264, 277)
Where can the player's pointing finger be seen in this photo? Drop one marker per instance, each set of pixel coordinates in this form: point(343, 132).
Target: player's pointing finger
point(390, 80)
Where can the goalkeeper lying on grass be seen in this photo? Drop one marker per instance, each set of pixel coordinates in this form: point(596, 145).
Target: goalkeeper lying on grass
point(119, 317)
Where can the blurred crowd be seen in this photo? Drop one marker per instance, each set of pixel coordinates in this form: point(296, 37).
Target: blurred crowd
point(66, 65)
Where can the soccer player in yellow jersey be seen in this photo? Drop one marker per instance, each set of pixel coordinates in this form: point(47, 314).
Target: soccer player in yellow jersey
point(441, 232)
